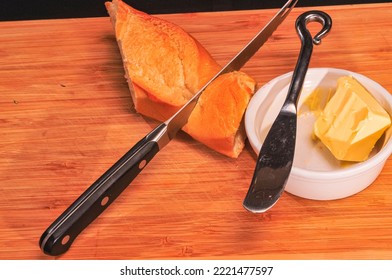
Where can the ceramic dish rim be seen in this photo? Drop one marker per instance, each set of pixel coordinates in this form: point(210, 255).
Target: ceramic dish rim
point(374, 161)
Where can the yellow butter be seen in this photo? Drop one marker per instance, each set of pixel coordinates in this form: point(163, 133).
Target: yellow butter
point(351, 122)
point(316, 101)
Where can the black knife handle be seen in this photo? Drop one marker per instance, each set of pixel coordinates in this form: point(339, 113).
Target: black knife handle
point(59, 236)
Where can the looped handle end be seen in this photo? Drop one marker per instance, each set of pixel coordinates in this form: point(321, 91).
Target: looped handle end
point(314, 16)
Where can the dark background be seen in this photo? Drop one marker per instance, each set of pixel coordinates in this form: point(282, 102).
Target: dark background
point(46, 9)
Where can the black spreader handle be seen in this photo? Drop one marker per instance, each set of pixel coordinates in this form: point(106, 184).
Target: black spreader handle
point(62, 232)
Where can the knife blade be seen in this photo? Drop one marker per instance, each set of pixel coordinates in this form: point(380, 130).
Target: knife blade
point(59, 236)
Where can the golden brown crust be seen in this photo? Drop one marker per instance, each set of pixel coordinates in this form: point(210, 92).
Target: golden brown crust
point(217, 119)
point(160, 57)
point(150, 108)
point(165, 67)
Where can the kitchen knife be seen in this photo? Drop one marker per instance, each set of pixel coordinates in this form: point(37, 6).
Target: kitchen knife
point(59, 236)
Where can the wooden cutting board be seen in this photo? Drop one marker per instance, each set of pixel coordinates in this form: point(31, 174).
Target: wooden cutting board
point(66, 116)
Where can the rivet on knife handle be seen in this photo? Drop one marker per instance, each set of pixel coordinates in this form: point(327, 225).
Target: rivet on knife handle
point(62, 232)
point(276, 156)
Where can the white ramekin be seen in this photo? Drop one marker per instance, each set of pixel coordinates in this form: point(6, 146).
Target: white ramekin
point(316, 174)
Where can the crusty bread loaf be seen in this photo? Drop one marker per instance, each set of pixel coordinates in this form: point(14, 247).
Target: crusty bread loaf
point(160, 57)
point(217, 120)
point(165, 67)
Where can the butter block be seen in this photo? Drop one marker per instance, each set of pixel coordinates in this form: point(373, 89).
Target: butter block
point(351, 122)
point(316, 101)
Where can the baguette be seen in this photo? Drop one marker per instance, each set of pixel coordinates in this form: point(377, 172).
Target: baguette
point(165, 66)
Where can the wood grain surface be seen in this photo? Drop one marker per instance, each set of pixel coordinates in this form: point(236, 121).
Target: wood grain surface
point(66, 116)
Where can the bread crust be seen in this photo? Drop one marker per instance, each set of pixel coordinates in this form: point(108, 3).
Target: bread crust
point(148, 42)
point(217, 120)
point(165, 67)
